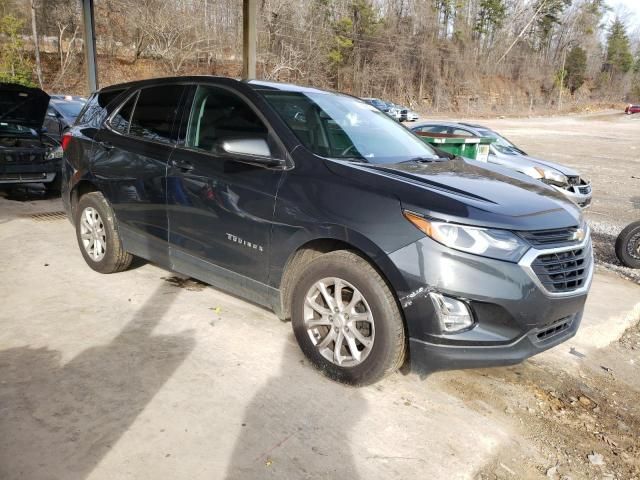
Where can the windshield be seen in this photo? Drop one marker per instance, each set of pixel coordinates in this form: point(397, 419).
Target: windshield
point(341, 127)
point(69, 109)
point(501, 144)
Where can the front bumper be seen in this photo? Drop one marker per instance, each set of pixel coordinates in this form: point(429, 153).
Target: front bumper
point(433, 357)
point(580, 194)
point(515, 316)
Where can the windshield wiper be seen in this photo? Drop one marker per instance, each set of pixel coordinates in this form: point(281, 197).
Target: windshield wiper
point(424, 160)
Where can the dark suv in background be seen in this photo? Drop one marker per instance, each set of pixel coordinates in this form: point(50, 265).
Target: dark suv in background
point(319, 206)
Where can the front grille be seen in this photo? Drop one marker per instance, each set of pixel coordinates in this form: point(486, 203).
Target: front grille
point(563, 271)
point(584, 190)
point(21, 177)
point(555, 329)
point(15, 157)
point(573, 180)
point(546, 238)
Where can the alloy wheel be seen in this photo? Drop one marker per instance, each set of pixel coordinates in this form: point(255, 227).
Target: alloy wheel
point(339, 321)
point(93, 234)
point(633, 247)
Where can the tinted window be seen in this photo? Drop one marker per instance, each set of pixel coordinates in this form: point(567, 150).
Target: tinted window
point(97, 105)
point(69, 109)
point(121, 120)
point(155, 112)
point(218, 115)
point(432, 129)
point(462, 133)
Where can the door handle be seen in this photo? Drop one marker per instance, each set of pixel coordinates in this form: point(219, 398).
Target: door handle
point(106, 145)
point(182, 165)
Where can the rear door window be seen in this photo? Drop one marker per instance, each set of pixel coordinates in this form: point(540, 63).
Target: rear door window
point(97, 105)
point(122, 119)
point(155, 113)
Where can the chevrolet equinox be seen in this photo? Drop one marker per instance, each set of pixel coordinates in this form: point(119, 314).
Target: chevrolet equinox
point(320, 207)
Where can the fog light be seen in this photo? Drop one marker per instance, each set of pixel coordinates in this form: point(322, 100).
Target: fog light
point(454, 315)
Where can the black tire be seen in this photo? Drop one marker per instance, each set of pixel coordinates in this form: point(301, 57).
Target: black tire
point(115, 258)
point(388, 350)
point(628, 245)
point(54, 188)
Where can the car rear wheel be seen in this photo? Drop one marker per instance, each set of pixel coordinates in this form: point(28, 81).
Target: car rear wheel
point(628, 245)
point(97, 235)
point(346, 320)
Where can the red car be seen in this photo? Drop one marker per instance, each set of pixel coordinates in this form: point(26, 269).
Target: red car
point(632, 109)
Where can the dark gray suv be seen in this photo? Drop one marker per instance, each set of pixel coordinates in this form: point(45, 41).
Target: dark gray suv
point(319, 206)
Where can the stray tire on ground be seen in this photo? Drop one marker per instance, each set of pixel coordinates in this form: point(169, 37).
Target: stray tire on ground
point(628, 245)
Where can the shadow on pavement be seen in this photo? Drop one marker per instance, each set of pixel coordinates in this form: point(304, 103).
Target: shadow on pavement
point(295, 430)
point(59, 421)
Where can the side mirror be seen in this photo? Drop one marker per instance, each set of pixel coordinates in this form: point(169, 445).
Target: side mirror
point(256, 148)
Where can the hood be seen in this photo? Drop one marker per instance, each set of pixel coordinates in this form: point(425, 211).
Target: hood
point(469, 192)
point(569, 172)
point(23, 105)
point(515, 161)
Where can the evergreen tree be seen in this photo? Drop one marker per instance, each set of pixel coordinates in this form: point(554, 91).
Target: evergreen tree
point(490, 17)
point(576, 67)
point(619, 57)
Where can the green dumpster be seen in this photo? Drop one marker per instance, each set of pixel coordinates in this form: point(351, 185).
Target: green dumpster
point(476, 148)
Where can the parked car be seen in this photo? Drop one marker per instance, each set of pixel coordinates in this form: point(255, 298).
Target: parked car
point(412, 116)
point(503, 152)
point(62, 112)
point(379, 104)
point(386, 107)
point(340, 219)
point(395, 111)
point(27, 154)
point(632, 109)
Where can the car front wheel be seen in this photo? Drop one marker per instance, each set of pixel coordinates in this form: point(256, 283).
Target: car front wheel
point(346, 320)
point(97, 235)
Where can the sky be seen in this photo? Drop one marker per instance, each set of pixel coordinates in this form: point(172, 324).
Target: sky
point(627, 7)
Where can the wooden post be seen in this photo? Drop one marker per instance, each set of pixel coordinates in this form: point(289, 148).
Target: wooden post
point(249, 38)
point(90, 44)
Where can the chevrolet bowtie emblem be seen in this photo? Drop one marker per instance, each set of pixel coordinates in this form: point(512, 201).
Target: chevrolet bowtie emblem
point(578, 235)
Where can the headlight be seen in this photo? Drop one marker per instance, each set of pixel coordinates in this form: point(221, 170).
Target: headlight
point(55, 152)
point(553, 177)
point(487, 242)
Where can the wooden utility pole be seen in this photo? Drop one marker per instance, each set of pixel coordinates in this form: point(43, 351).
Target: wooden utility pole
point(90, 44)
point(249, 38)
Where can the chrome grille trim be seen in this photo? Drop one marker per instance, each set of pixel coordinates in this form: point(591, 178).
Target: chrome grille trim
point(529, 258)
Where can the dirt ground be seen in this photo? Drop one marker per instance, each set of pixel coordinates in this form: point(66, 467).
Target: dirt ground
point(148, 375)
